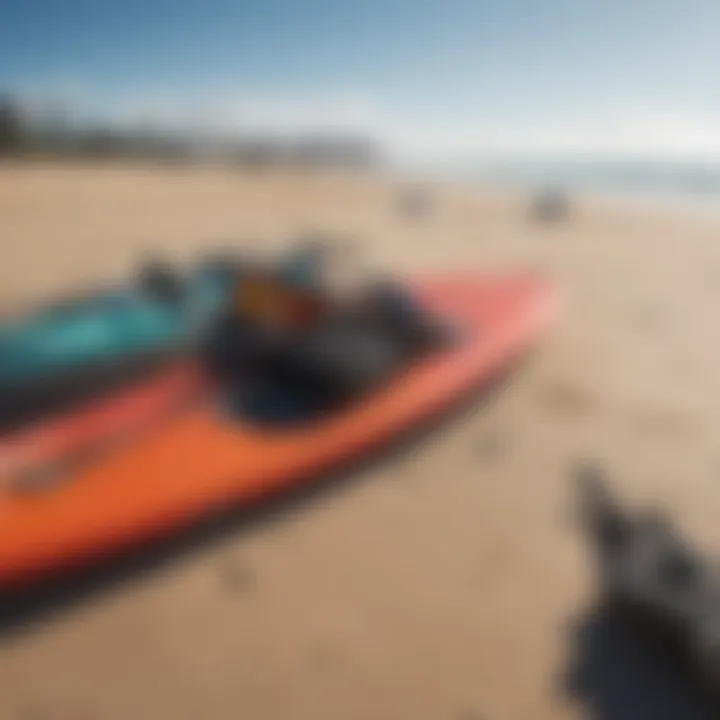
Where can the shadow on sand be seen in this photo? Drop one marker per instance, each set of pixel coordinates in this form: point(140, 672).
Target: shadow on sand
point(612, 677)
point(21, 610)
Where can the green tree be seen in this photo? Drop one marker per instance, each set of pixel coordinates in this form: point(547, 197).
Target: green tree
point(11, 126)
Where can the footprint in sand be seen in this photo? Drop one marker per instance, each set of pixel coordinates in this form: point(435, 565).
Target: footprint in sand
point(324, 655)
point(647, 317)
point(471, 715)
point(34, 714)
point(664, 422)
point(237, 577)
point(568, 398)
point(492, 445)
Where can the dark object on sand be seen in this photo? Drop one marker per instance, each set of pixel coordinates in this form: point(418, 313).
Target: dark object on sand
point(550, 206)
point(414, 201)
point(655, 584)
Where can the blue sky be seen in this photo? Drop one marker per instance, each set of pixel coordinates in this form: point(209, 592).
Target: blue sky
point(577, 76)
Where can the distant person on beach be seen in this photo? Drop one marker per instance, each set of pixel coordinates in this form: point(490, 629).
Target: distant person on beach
point(414, 201)
point(551, 205)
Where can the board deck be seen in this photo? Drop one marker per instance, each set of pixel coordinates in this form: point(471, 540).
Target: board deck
point(29, 453)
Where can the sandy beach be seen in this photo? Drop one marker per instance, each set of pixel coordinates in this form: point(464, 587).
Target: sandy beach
point(449, 582)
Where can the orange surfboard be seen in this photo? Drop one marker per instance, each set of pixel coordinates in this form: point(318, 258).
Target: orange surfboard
point(28, 455)
point(200, 461)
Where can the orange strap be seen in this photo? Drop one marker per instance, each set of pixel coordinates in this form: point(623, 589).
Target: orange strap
point(263, 299)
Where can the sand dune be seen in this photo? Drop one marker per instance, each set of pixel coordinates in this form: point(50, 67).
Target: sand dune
point(442, 584)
